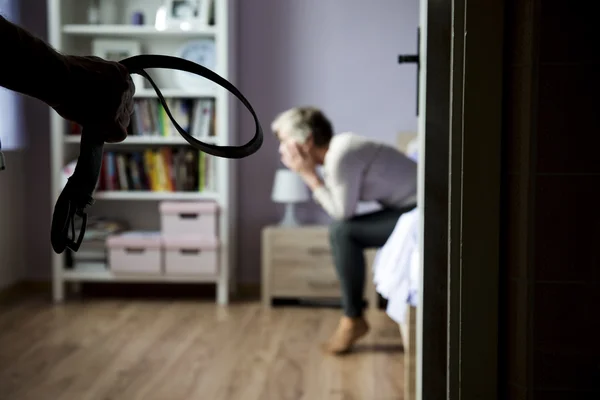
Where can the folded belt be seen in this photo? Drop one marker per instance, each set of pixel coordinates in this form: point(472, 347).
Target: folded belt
point(78, 192)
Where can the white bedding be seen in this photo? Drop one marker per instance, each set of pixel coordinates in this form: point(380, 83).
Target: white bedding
point(396, 267)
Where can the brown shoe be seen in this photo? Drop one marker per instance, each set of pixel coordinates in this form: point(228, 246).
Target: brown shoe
point(349, 330)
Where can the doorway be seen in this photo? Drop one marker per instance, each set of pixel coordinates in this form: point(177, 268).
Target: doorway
point(459, 188)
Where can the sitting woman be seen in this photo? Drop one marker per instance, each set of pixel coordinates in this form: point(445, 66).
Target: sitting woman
point(355, 169)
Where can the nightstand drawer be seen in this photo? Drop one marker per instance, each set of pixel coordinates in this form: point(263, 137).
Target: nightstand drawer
point(295, 238)
point(301, 255)
point(305, 280)
point(301, 263)
point(297, 263)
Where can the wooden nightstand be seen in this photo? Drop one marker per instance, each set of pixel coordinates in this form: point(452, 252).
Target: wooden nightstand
point(297, 264)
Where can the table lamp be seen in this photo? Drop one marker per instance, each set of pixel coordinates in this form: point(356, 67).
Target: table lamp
point(289, 189)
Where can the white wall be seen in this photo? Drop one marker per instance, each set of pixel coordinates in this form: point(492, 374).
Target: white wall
point(12, 220)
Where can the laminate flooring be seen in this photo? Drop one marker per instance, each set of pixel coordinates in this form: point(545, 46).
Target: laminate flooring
point(187, 350)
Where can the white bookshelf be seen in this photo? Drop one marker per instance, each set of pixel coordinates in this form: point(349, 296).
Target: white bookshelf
point(97, 272)
point(135, 31)
point(143, 140)
point(70, 33)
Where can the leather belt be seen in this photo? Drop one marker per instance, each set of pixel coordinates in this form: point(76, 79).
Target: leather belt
point(78, 192)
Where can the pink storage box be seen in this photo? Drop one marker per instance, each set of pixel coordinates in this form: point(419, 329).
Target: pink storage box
point(135, 253)
point(189, 218)
point(191, 256)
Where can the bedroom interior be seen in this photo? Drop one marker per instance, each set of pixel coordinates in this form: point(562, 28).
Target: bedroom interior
point(172, 340)
point(117, 272)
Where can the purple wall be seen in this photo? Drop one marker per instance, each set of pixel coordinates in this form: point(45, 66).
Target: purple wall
point(11, 104)
point(37, 166)
point(337, 54)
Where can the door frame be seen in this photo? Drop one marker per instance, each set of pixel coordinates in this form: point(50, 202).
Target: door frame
point(460, 183)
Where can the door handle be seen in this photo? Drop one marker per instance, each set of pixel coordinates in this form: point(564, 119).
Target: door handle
point(405, 59)
point(414, 59)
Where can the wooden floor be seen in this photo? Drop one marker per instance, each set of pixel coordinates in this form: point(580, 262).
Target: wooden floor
point(188, 350)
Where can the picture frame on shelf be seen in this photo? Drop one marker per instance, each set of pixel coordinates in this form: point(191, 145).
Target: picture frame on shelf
point(202, 52)
point(117, 50)
point(186, 14)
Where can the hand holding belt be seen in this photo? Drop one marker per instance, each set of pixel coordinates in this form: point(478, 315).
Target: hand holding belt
point(77, 194)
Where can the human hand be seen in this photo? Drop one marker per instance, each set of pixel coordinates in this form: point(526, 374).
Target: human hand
point(297, 159)
point(98, 93)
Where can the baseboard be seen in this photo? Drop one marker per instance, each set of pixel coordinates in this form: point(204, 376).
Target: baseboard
point(248, 291)
point(21, 288)
point(245, 291)
point(10, 291)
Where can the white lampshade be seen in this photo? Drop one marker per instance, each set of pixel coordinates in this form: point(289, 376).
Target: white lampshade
point(288, 187)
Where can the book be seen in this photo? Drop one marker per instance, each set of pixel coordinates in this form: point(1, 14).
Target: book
point(163, 169)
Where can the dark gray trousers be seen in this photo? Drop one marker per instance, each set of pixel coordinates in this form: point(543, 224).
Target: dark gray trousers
point(349, 238)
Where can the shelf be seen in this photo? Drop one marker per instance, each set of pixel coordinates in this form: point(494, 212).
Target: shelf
point(70, 33)
point(135, 30)
point(97, 272)
point(144, 195)
point(171, 93)
point(146, 140)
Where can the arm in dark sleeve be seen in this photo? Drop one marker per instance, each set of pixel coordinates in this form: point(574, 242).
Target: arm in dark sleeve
point(30, 66)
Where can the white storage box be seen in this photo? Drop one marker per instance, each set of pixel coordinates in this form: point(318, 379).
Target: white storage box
point(189, 218)
point(191, 256)
point(135, 253)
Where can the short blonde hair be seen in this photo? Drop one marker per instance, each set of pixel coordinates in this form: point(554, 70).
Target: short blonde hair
point(301, 122)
